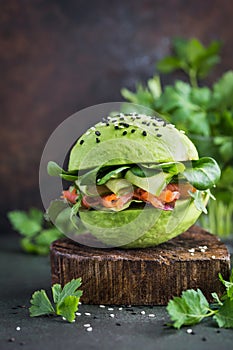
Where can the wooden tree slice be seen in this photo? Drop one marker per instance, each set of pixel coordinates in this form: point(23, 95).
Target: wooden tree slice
point(148, 276)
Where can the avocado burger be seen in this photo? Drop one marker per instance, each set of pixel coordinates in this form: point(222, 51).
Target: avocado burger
point(133, 181)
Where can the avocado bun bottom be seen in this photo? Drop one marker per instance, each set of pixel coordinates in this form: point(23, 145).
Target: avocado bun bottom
point(141, 228)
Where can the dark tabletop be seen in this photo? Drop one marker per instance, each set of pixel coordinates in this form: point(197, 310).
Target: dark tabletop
point(22, 274)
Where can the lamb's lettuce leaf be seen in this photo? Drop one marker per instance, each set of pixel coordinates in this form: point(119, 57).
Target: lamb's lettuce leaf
point(203, 173)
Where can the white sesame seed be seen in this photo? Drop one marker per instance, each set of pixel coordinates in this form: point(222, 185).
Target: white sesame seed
point(213, 256)
point(120, 308)
point(192, 250)
point(205, 247)
point(110, 309)
point(112, 315)
point(18, 328)
point(143, 312)
point(64, 319)
point(151, 315)
point(102, 306)
point(87, 314)
point(92, 128)
point(87, 325)
point(89, 329)
point(202, 250)
point(78, 313)
point(192, 254)
point(189, 331)
point(79, 303)
point(73, 321)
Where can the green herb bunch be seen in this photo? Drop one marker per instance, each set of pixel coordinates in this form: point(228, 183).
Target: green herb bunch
point(37, 234)
point(192, 307)
point(204, 113)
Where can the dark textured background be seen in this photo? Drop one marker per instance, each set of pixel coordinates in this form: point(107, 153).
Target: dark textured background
point(60, 56)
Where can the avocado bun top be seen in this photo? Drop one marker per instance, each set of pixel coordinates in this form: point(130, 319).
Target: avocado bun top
point(130, 138)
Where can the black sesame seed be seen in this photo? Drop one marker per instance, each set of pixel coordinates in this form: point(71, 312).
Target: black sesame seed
point(114, 120)
point(97, 140)
point(144, 133)
point(81, 142)
point(133, 313)
point(121, 118)
point(128, 309)
point(116, 127)
point(158, 135)
point(164, 123)
point(203, 339)
point(97, 133)
point(218, 331)
point(107, 124)
point(11, 340)
point(118, 324)
point(154, 124)
point(124, 133)
point(156, 129)
point(144, 123)
point(138, 116)
point(148, 124)
point(133, 130)
point(125, 124)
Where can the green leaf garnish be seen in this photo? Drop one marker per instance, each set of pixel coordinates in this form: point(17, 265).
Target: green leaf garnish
point(224, 316)
point(65, 301)
point(37, 234)
point(203, 174)
point(112, 174)
point(68, 307)
point(188, 309)
point(55, 170)
point(192, 307)
point(41, 304)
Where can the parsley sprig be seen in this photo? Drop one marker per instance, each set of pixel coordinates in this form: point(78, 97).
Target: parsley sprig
point(65, 301)
point(192, 307)
point(36, 233)
point(204, 113)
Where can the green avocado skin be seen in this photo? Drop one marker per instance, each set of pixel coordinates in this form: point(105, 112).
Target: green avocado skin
point(151, 141)
point(141, 228)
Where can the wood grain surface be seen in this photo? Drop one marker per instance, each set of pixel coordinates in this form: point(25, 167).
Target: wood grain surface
point(148, 276)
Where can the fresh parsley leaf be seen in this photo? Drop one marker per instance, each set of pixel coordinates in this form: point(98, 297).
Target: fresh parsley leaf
point(68, 307)
point(56, 290)
point(188, 309)
point(216, 299)
point(65, 301)
point(36, 215)
point(23, 223)
point(223, 91)
point(224, 316)
point(191, 57)
point(144, 96)
point(70, 289)
point(36, 237)
point(228, 285)
point(41, 304)
point(47, 236)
